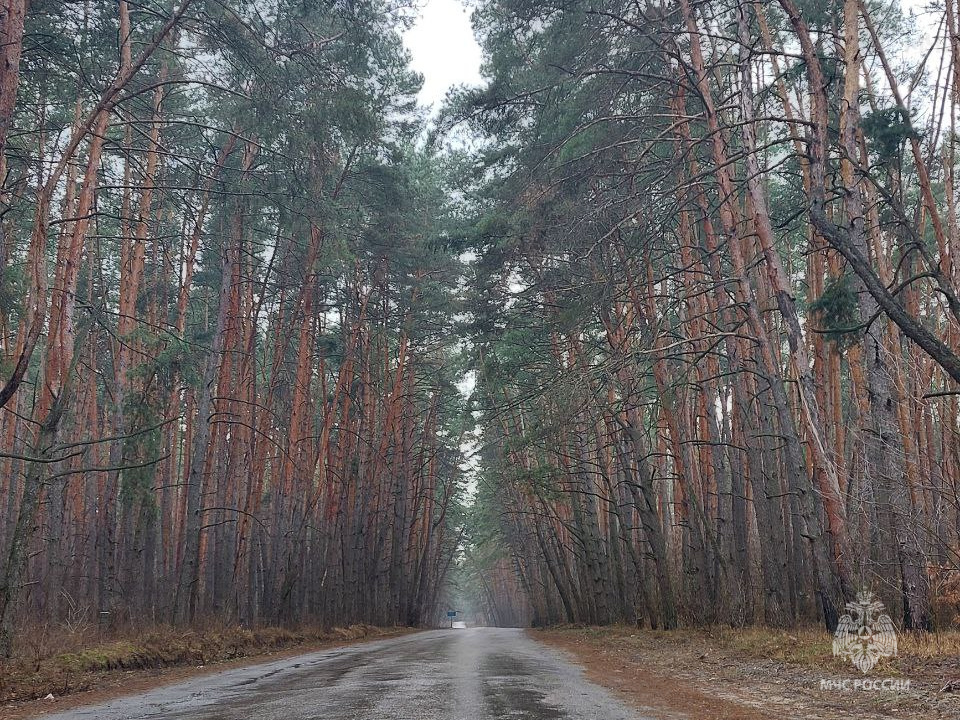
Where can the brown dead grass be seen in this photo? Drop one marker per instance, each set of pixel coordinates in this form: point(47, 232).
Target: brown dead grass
point(42, 668)
point(750, 673)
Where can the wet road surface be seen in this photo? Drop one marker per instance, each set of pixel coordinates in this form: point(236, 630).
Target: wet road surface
point(475, 674)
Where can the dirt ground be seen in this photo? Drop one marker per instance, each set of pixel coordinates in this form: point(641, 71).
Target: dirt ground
point(755, 674)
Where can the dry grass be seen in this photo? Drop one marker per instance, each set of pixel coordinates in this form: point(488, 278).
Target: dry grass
point(63, 663)
point(775, 673)
point(932, 645)
point(809, 646)
point(812, 647)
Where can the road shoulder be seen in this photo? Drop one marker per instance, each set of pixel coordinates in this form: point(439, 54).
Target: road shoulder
point(104, 685)
point(724, 674)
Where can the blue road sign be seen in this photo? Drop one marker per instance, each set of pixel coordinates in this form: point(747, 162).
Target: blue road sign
point(451, 613)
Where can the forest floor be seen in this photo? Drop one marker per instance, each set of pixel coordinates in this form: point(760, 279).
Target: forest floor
point(52, 676)
point(754, 674)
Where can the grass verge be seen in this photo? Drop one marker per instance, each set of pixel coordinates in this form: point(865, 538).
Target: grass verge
point(43, 669)
point(725, 673)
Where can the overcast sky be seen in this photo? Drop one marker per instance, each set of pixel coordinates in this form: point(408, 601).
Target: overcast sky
point(446, 53)
point(443, 48)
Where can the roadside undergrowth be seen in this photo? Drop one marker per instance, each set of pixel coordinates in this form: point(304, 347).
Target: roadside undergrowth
point(727, 673)
point(64, 663)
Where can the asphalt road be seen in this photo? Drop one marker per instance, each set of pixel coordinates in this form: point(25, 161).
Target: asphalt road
point(475, 674)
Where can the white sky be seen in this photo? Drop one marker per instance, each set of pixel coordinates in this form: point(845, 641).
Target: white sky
point(444, 49)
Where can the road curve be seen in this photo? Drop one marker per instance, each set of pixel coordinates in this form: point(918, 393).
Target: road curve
point(475, 674)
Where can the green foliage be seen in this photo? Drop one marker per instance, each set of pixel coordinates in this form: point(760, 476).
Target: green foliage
point(820, 14)
point(836, 310)
point(141, 450)
point(11, 293)
point(888, 129)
